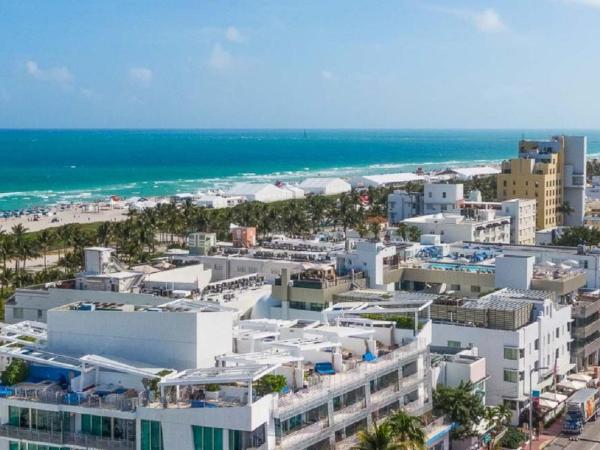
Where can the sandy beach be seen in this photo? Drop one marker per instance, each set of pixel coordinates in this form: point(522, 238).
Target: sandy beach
point(73, 214)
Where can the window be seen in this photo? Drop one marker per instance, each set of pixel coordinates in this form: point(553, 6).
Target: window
point(476, 289)
point(510, 404)
point(455, 287)
point(207, 438)
point(454, 344)
point(443, 195)
point(40, 314)
point(152, 438)
point(557, 332)
point(511, 353)
point(511, 376)
point(18, 313)
point(536, 344)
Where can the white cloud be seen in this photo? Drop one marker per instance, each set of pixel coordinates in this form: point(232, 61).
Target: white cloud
point(488, 20)
point(220, 58)
point(590, 3)
point(141, 75)
point(60, 75)
point(232, 34)
point(327, 75)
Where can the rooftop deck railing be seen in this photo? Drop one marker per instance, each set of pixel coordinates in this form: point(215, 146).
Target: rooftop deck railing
point(328, 386)
point(119, 402)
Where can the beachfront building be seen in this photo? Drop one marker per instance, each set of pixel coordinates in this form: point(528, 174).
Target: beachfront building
point(260, 192)
point(553, 172)
point(484, 226)
point(172, 379)
point(385, 180)
point(325, 186)
point(517, 331)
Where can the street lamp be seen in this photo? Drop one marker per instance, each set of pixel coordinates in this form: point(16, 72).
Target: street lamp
point(535, 369)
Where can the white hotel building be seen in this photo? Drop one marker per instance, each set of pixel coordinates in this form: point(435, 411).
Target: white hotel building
point(183, 375)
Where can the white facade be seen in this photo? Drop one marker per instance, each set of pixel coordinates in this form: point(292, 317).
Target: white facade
point(212, 201)
point(325, 186)
point(168, 339)
point(442, 197)
point(522, 214)
point(454, 227)
point(404, 205)
point(369, 257)
point(188, 278)
point(224, 267)
point(510, 355)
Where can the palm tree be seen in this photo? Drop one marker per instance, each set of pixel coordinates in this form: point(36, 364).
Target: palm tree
point(18, 232)
point(7, 277)
point(45, 241)
point(104, 233)
point(407, 431)
point(379, 438)
point(565, 209)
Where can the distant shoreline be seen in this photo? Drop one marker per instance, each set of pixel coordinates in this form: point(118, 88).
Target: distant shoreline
point(49, 166)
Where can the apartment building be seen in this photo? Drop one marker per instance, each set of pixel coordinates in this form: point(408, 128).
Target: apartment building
point(169, 393)
point(517, 331)
point(522, 213)
point(552, 172)
point(485, 226)
point(435, 198)
point(585, 348)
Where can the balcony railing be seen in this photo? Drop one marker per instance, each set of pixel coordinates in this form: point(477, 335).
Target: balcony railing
point(65, 438)
point(291, 403)
point(117, 402)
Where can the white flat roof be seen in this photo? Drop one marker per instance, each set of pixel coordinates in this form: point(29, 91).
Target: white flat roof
point(185, 274)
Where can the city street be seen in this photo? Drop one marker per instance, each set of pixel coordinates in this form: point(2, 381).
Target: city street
point(588, 440)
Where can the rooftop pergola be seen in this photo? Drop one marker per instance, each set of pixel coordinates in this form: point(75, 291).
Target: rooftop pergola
point(397, 305)
point(15, 332)
point(308, 342)
point(40, 356)
point(219, 375)
point(272, 356)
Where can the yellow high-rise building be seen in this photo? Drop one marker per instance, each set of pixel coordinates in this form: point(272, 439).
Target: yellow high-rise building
point(553, 173)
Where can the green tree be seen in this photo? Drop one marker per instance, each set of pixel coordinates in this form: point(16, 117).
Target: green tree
point(16, 372)
point(270, 383)
point(462, 405)
point(46, 239)
point(575, 236)
point(407, 431)
point(380, 437)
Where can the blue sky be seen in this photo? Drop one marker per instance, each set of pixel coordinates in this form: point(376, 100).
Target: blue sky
point(304, 64)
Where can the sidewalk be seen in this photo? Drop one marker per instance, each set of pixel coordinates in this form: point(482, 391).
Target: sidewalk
point(547, 436)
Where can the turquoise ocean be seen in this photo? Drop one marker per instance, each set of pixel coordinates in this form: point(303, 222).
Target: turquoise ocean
point(42, 167)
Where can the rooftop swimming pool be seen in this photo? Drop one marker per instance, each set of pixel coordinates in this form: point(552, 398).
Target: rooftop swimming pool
point(461, 267)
